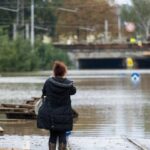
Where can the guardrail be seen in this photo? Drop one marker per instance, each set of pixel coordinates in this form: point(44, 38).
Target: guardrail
point(145, 46)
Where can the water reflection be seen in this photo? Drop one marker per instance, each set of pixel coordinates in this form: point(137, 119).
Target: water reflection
point(108, 105)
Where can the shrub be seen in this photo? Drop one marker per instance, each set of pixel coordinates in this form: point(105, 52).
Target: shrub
point(18, 55)
point(47, 54)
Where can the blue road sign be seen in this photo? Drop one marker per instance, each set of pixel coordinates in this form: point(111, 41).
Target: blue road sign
point(135, 77)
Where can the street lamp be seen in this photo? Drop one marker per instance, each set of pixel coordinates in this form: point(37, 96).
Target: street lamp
point(17, 18)
point(68, 10)
point(8, 9)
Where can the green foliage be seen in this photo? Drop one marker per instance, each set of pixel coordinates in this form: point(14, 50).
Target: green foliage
point(45, 18)
point(16, 56)
point(139, 13)
point(19, 56)
point(47, 54)
point(45, 14)
point(127, 14)
point(142, 8)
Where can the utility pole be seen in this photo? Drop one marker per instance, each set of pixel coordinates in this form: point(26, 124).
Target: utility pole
point(14, 31)
point(22, 12)
point(27, 31)
point(32, 23)
point(119, 29)
point(106, 30)
point(17, 21)
point(119, 23)
point(17, 16)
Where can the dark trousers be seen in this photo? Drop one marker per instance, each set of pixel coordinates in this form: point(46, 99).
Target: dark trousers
point(60, 135)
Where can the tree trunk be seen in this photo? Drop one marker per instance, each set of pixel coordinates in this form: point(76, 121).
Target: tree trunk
point(147, 31)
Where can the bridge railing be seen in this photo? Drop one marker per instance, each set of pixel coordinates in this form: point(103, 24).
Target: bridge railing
point(145, 46)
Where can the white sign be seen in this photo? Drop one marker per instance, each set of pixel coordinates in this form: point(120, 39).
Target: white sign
point(130, 26)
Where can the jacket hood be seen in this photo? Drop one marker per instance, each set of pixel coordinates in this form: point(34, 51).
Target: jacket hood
point(61, 82)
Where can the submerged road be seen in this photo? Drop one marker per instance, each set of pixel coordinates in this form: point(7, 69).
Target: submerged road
point(110, 105)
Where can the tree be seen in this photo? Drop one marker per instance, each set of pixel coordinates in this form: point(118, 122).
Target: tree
point(45, 18)
point(18, 55)
point(44, 15)
point(85, 17)
point(139, 13)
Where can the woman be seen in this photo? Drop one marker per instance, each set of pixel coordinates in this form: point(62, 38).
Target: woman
point(56, 112)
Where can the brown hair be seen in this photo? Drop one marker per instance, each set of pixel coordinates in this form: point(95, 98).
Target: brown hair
point(59, 68)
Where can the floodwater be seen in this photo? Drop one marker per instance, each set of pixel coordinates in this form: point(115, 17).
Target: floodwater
point(109, 103)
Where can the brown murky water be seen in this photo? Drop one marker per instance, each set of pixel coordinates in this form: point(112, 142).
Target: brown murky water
point(109, 104)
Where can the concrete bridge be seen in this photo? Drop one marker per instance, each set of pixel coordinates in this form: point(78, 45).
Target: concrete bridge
point(108, 56)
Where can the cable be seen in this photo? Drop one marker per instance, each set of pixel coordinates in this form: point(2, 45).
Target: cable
point(64, 4)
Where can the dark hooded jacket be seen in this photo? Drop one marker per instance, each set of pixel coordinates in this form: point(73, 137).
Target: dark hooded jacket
point(56, 112)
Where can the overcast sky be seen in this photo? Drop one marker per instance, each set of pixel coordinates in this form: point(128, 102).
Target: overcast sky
point(123, 1)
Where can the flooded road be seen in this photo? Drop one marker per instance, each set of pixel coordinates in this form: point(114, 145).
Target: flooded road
point(109, 103)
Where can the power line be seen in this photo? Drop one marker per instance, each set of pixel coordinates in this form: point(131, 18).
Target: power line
point(66, 5)
point(43, 7)
point(65, 25)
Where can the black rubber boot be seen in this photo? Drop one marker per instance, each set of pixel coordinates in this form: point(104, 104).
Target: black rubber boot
point(52, 146)
point(62, 146)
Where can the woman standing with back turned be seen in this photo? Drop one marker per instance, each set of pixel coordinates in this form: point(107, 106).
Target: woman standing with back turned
point(55, 114)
